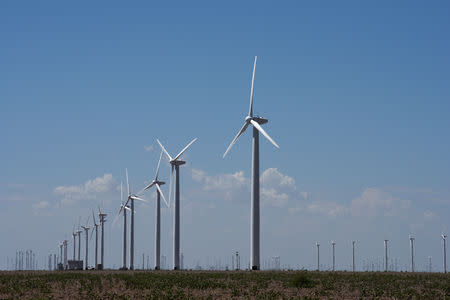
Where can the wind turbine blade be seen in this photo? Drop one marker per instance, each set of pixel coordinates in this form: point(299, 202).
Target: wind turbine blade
point(92, 234)
point(120, 210)
point(128, 184)
point(121, 192)
point(260, 129)
point(127, 208)
point(243, 128)
point(162, 195)
point(93, 217)
point(159, 163)
point(184, 149)
point(250, 111)
point(148, 186)
point(164, 149)
point(138, 198)
point(170, 185)
point(115, 219)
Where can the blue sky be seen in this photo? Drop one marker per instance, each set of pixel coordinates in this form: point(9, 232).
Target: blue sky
point(356, 94)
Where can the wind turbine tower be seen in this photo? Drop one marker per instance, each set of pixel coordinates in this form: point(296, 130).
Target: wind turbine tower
point(74, 235)
point(411, 241)
point(124, 208)
point(176, 163)
point(79, 244)
point(131, 198)
point(333, 243)
point(318, 256)
point(102, 217)
point(96, 240)
point(444, 263)
point(386, 255)
point(159, 193)
point(255, 217)
point(86, 231)
point(353, 256)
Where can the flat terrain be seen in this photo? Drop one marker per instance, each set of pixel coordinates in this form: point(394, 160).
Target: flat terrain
point(222, 285)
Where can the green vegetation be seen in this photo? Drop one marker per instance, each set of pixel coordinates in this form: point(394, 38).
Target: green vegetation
point(222, 285)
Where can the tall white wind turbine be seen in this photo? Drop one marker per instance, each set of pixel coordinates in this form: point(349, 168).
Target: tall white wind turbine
point(256, 122)
point(176, 163)
point(159, 194)
point(96, 239)
point(102, 218)
point(386, 255)
point(74, 235)
point(411, 242)
point(123, 208)
point(131, 198)
point(353, 256)
point(333, 243)
point(444, 252)
point(318, 256)
point(86, 231)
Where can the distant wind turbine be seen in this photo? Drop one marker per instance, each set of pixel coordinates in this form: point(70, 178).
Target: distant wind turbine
point(86, 231)
point(255, 220)
point(96, 239)
point(176, 163)
point(131, 198)
point(159, 193)
point(444, 250)
point(102, 217)
point(411, 241)
point(333, 243)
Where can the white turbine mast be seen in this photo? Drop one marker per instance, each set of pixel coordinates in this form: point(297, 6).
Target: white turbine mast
point(255, 211)
point(444, 252)
point(157, 183)
point(131, 198)
point(86, 231)
point(175, 162)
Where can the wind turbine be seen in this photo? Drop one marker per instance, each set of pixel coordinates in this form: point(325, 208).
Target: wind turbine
point(159, 193)
point(256, 122)
point(102, 217)
point(411, 241)
point(74, 235)
point(79, 243)
point(353, 255)
point(96, 239)
point(131, 198)
point(333, 243)
point(386, 255)
point(444, 240)
point(176, 163)
point(86, 231)
point(124, 208)
point(318, 256)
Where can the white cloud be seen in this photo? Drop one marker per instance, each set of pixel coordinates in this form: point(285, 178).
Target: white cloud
point(374, 202)
point(91, 189)
point(41, 208)
point(148, 148)
point(273, 178)
point(221, 182)
point(274, 198)
point(331, 209)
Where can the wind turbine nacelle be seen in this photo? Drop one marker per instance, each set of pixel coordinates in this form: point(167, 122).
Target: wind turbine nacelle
point(177, 162)
point(259, 120)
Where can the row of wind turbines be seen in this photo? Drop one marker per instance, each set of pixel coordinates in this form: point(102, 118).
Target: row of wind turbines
point(175, 163)
point(386, 268)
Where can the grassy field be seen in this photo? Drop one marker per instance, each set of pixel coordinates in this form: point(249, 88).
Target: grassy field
point(222, 285)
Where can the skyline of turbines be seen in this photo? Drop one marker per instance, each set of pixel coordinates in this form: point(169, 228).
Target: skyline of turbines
point(174, 163)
